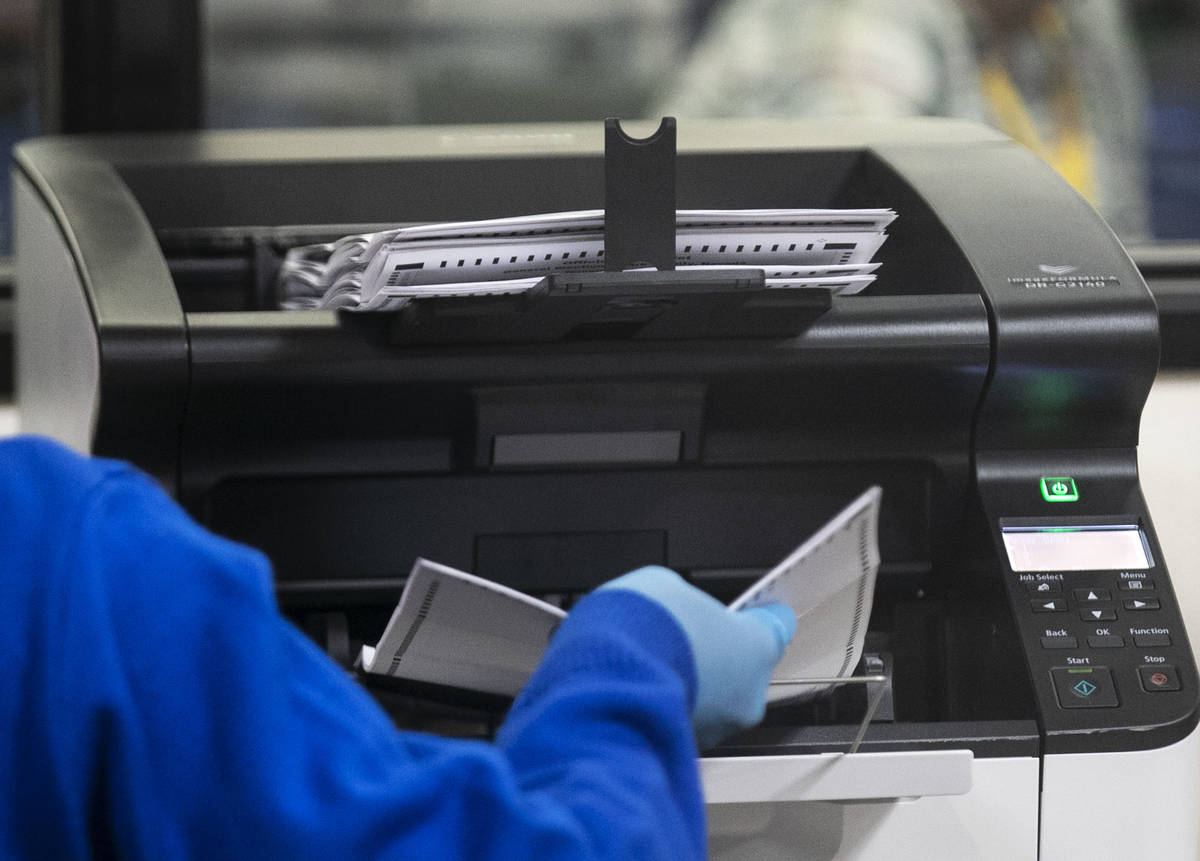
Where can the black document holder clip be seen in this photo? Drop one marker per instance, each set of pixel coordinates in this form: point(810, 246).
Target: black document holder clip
point(639, 198)
point(640, 295)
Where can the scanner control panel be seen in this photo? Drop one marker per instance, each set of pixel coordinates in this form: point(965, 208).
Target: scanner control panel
point(1101, 627)
point(1092, 629)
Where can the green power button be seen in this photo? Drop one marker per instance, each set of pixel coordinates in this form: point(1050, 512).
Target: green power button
point(1059, 489)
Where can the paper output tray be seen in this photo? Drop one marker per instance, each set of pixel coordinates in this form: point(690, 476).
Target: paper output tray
point(836, 776)
point(650, 305)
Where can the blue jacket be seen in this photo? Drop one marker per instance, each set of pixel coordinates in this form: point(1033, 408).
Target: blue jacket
point(154, 704)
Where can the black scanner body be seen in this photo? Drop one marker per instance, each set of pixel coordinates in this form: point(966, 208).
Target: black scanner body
point(1007, 339)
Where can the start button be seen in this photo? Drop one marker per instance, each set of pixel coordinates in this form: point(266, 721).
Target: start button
point(1084, 687)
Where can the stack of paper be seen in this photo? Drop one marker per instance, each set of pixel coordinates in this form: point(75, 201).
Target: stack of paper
point(795, 248)
point(456, 629)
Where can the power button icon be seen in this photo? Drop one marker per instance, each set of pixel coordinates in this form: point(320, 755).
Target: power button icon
point(1059, 488)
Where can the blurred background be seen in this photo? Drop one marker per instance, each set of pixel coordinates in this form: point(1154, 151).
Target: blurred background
point(1108, 91)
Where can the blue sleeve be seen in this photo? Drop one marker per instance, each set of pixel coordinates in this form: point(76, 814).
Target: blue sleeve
point(156, 705)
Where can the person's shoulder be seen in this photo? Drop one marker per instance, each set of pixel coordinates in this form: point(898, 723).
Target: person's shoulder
point(35, 458)
point(54, 496)
point(40, 474)
point(36, 451)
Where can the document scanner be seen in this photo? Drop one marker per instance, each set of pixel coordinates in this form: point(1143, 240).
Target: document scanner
point(1042, 693)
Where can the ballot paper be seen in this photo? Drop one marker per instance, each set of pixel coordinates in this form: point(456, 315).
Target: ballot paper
point(456, 629)
point(829, 581)
point(381, 270)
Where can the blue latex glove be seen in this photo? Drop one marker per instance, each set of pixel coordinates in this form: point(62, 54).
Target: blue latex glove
point(735, 653)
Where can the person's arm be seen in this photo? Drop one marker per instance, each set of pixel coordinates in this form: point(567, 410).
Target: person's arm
point(157, 705)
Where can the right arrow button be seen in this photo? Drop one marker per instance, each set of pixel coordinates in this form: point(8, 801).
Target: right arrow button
point(1142, 604)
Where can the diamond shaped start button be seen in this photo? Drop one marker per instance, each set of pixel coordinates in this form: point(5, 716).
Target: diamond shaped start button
point(1089, 687)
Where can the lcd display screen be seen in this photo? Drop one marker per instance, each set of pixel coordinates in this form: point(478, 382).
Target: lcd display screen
point(1076, 548)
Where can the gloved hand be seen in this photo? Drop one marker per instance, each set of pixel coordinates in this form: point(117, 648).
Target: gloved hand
point(735, 652)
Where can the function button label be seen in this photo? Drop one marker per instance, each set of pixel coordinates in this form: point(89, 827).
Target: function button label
point(1142, 603)
point(1089, 595)
point(1049, 605)
point(1160, 677)
point(1135, 585)
point(1084, 687)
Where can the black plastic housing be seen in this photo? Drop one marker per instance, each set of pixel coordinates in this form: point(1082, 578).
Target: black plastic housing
point(1008, 337)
